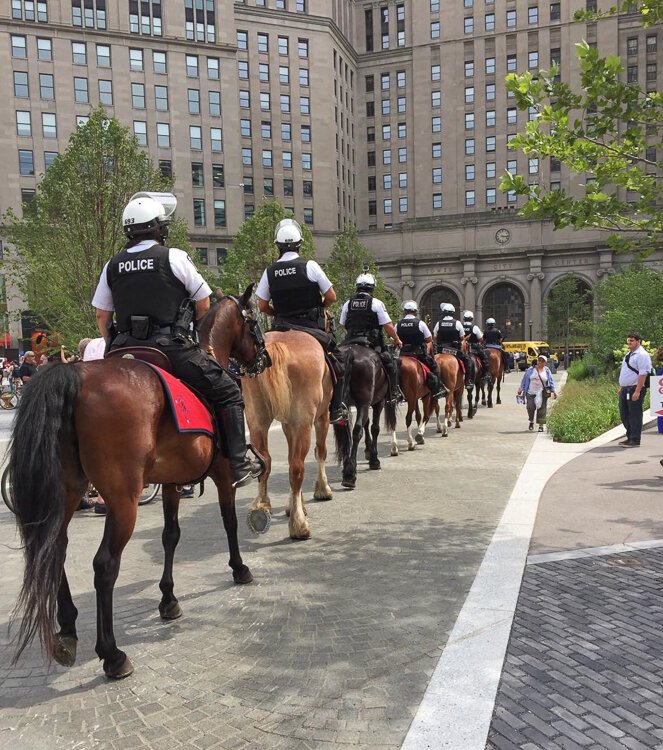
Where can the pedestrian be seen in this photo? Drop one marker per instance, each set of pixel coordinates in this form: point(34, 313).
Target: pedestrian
point(29, 367)
point(636, 368)
point(537, 386)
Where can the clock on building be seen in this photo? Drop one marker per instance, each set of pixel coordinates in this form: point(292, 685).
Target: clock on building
point(502, 236)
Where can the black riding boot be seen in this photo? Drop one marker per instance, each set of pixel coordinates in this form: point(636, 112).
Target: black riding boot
point(483, 356)
point(468, 375)
point(338, 410)
point(391, 369)
point(435, 386)
point(244, 468)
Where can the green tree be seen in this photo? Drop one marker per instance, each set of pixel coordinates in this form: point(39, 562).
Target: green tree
point(348, 258)
point(74, 225)
point(607, 133)
point(253, 248)
point(628, 301)
point(569, 312)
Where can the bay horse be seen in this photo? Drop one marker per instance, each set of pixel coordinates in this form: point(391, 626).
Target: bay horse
point(453, 378)
point(475, 377)
point(55, 450)
point(413, 386)
point(296, 391)
point(496, 374)
point(368, 389)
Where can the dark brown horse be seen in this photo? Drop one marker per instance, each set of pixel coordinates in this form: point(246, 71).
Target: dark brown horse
point(368, 389)
point(475, 377)
point(453, 378)
point(55, 451)
point(413, 386)
point(496, 374)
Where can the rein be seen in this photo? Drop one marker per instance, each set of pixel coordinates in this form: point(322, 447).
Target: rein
point(262, 360)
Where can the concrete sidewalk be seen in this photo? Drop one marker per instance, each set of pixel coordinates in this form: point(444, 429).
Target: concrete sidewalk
point(584, 664)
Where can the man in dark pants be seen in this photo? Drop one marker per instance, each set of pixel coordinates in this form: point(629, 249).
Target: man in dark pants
point(155, 294)
point(636, 368)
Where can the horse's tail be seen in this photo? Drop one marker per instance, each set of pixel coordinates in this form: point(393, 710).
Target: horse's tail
point(274, 382)
point(390, 417)
point(343, 433)
point(44, 421)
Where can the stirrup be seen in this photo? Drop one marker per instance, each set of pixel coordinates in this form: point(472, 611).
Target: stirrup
point(257, 467)
point(340, 416)
point(442, 393)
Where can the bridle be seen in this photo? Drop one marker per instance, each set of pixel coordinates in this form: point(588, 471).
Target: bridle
point(262, 360)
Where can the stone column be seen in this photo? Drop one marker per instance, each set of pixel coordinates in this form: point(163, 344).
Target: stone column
point(407, 283)
point(469, 281)
point(535, 277)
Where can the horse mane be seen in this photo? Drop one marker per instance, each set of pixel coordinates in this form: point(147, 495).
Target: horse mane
point(275, 386)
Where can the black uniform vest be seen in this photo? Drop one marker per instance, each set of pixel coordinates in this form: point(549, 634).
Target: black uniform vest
point(467, 327)
point(361, 320)
point(144, 284)
point(413, 339)
point(447, 332)
point(492, 336)
point(293, 294)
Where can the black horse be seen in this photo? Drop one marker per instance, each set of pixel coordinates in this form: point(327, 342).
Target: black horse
point(368, 387)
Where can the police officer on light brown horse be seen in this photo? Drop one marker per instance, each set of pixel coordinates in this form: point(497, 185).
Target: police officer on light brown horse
point(155, 294)
point(296, 292)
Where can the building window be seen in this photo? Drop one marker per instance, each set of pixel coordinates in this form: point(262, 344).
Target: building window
point(195, 138)
point(19, 46)
point(308, 216)
point(161, 98)
point(23, 123)
point(512, 116)
point(49, 158)
point(199, 212)
point(135, 59)
point(305, 133)
point(304, 105)
point(469, 121)
point(402, 155)
point(216, 139)
point(436, 124)
point(533, 15)
point(79, 53)
point(402, 205)
point(469, 68)
point(469, 94)
point(491, 170)
point(264, 101)
point(284, 46)
point(242, 40)
point(401, 104)
point(435, 30)
point(555, 164)
point(247, 161)
point(193, 99)
point(306, 162)
point(192, 66)
point(468, 25)
point(386, 132)
point(490, 66)
point(302, 48)
point(533, 166)
point(166, 167)
point(263, 72)
point(163, 135)
point(91, 13)
point(369, 83)
point(437, 175)
point(45, 50)
point(47, 86)
point(218, 177)
point(245, 128)
point(197, 175)
point(386, 181)
point(138, 95)
point(469, 146)
point(555, 11)
point(140, 132)
point(511, 19)
point(469, 172)
point(267, 157)
point(533, 59)
point(490, 21)
point(82, 120)
point(632, 73)
point(435, 72)
point(106, 92)
point(436, 99)
point(219, 213)
point(470, 199)
point(386, 156)
point(386, 106)
point(370, 158)
point(400, 79)
point(26, 163)
point(244, 99)
point(48, 125)
point(490, 118)
point(214, 103)
point(201, 26)
point(651, 72)
point(437, 200)
point(243, 70)
point(512, 166)
point(285, 102)
point(387, 204)
point(287, 160)
point(490, 143)
point(652, 45)
point(144, 17)
point(307, 188)
point(159, 62)
point(437, 151)
point(511, 63)
point(491, 196)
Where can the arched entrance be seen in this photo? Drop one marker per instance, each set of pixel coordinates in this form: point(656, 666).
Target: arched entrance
point(569, 313)
point(431, 301)
point(505, 303)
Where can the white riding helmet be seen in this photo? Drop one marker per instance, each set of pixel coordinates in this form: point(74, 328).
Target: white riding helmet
point(366, 280)
point(446, 307)
point(468, 315)
point(146, 212)
point(490, 321)
point(288, 235)
point(410, 306)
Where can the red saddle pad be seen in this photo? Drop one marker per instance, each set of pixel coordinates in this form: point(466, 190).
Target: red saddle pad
point(189, 412)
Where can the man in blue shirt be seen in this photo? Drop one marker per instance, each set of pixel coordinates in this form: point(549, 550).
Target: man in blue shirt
point(636, 368)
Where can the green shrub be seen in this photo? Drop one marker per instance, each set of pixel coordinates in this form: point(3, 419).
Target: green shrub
point(579, 370)
point(585, 410)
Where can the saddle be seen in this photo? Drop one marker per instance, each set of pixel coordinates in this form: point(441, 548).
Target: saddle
point(424, 367)
point(324, 338)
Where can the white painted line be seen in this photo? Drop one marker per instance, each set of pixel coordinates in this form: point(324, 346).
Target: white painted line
point(457, 707)
point(611, 549)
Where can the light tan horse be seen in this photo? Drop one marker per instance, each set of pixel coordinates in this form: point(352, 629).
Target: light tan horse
point(296, 391)
point(453, 377)
point(413, 386)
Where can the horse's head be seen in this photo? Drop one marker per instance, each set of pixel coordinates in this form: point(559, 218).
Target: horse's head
point(234, 331)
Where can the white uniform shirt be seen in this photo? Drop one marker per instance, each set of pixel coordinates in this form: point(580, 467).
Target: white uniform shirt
point(376, 306)
point(459, 326)
point(94, 350)
point(181, 265)
point(477, 332)
point(422, 326)
point(313, 272)
point(640, 361)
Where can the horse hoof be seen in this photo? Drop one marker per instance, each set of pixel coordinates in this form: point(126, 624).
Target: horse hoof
point(457, 427)
point(419, 439)
point(320, 499)
point(410, 447)
point(259, 520)
point(124, 669)
point(375, 466)
point(172, 611)
point(243, 575)
point(64, 651)
point(490, 406)
point(445, 434)
point(367, 456)
point(349, 483)
point(300, 536)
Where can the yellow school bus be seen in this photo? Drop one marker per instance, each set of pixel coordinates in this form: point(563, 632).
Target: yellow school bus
point(531, 350)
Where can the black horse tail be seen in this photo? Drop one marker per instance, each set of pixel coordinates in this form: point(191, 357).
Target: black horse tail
point(342, 432)
point(44, 421)
point(390, 417)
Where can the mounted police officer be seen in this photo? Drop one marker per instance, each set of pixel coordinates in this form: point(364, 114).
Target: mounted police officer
point(156, 294)
point(493, 338)
point(417, 342)
point(296, 291)
point(449, 334)
point(474, 338)
point(364, 317)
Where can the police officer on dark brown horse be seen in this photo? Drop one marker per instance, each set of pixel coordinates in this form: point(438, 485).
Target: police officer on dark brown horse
point(474, 337)
point(296, 292)
point(417, 341)
point(364, 317)
point(157, 294)
point(448, 334)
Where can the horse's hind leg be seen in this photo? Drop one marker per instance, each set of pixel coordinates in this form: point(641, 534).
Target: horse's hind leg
point(499, 400)
point(350, 464)
point(121, 513)
point(322, 490)
point(222, 479)
point(299, 442)
point(374, 461)
point(260, 441)
point(367, 442)
point(169, 608)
